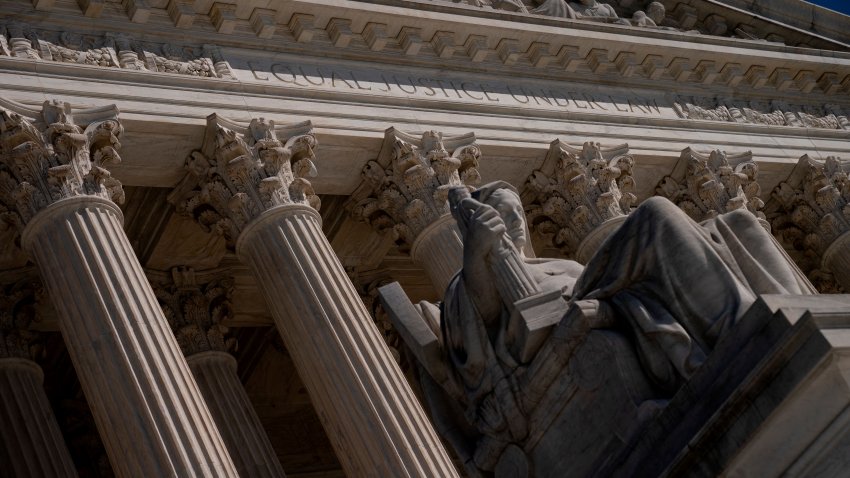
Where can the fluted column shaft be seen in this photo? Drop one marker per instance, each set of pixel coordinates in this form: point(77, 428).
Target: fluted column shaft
point(145, 402)
point(371, 416)
point(252, 453)
point(439, 250)
point(32, 444)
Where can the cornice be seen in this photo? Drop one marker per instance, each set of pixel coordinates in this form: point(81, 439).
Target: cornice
point(551, 48)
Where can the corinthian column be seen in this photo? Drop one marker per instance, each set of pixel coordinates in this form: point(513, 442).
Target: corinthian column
point(404, 193)
point(195, 306)
point(704, 185)
point(252, 186)
point(32, 442)
point(147, 407)
point(810, 216)
point(580, 196)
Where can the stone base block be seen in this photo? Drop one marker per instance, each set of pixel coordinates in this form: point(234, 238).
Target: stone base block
point(773, 399)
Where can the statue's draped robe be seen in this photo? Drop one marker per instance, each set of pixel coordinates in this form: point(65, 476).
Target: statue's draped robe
point(676, 285)
point(554, 8)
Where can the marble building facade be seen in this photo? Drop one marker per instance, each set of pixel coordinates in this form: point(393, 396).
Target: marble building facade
point(200, 200)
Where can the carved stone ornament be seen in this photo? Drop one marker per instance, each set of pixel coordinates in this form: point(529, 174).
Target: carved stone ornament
point(55, 154)
point(577, 190)
point(810, 213)
point(112, 50)
point(242, 171)
point(707, 184)
point(638, 13)
point(195, 307)
point(406, 188)
point(774, 113)
point(18, 310)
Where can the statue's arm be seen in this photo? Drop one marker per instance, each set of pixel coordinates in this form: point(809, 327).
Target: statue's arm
point(485, 230)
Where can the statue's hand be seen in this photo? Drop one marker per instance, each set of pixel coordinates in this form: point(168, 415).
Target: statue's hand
point(485, 228)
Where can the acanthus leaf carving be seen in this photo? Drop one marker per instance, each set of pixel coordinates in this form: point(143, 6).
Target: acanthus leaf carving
point(242, 171)
point(195, 308)
point(46, 156)
point(577, 190)
point(810, 212)
point(405, 189)
point(707, 184)
point(112, 50)
point(774, 113)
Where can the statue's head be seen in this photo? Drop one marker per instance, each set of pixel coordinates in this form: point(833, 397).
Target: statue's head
point(656, 11)
point(505, 199)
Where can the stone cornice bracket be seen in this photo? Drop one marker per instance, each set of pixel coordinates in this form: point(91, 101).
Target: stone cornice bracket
point(406, 188)
point(810, 212)
point(580, 195)
point(195, 308)
point(704, 185)
point(241, 171)
point(55, 154)
point(19, 308)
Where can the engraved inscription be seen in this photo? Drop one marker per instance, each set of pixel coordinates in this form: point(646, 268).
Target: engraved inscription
point(429, 87)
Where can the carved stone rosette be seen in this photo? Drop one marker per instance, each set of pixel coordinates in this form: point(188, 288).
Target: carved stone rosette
point(406, 189)
point(810, 212)
point(45, 156)
point(580, 195)
point(707, 184)
point(240, 172)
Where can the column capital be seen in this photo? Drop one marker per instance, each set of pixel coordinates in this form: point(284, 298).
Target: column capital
point(406, 188)
point(241, 171)
point(705, 184)
point(195, 305)
point(809, 212)
point(19, 306)
point(55, 153)
point(577, 190)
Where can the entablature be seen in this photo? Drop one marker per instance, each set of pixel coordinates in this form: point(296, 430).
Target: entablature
point(560, 49)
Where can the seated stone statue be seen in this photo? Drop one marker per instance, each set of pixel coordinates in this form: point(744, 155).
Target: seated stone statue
point(668, 289)
point(592, 8)
point(554, 8)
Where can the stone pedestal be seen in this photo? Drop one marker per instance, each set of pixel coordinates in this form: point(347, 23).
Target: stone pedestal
point(439, 250)
point(371, 416)
point(32, 444)
point(147, 407)
point(252, 453)
point(771, 400)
